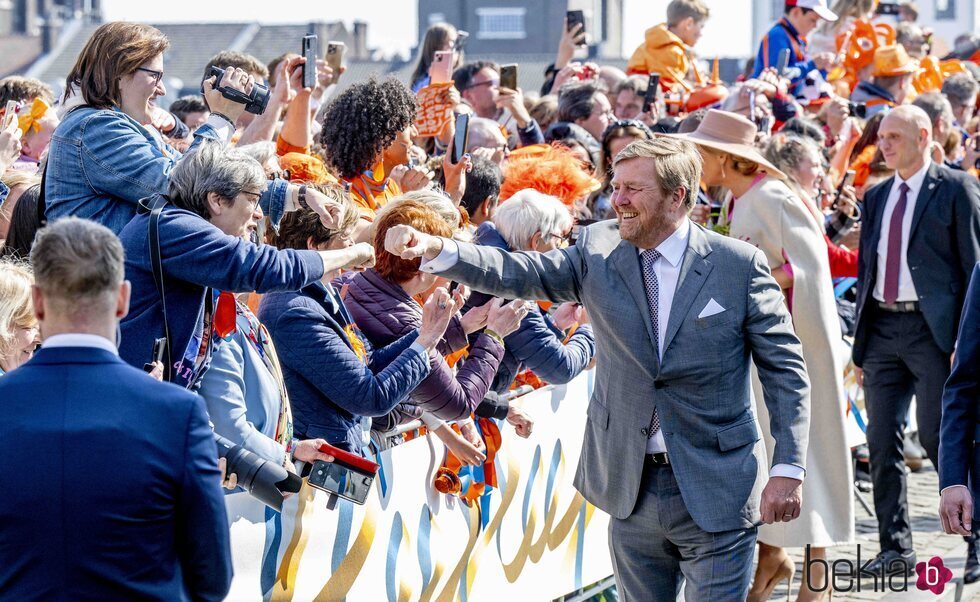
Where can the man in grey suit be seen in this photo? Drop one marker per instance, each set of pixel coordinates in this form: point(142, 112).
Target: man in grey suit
point(672, 449)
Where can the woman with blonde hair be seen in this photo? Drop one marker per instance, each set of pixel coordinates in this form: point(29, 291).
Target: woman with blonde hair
point(19, 334)
point(766, 213)
point(439, 37)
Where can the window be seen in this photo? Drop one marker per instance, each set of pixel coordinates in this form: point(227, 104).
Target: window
point(946, 10)
point(501, 23)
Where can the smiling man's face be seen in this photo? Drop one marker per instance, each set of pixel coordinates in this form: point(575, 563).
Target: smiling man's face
point(644, 211)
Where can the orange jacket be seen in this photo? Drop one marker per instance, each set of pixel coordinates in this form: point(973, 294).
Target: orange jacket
point(664, 53)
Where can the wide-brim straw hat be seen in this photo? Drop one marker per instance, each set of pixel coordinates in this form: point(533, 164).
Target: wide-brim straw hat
point(892, 61)
point(730, 133)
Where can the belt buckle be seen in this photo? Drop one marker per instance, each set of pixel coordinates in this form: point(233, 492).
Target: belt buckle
point(659, 459)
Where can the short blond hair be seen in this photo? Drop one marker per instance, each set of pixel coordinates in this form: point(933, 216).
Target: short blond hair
point(677, 164)
point(19, 177)
point(16, 307)
point(678, 10)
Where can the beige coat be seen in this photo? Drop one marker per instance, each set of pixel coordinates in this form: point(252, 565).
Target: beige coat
point(774, 219)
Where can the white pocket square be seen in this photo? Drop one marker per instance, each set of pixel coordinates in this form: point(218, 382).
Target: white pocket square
point(711, 309)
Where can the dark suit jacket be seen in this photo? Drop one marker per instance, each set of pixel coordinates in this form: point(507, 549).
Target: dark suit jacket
point(961, 399)
point(944, 245)
point(110, 485)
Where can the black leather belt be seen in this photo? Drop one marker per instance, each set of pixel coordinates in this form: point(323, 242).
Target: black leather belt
point(658, 459)
point(900, 307)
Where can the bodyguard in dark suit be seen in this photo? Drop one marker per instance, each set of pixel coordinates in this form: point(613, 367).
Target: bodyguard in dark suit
point(958, 466)
point(109, 479)
point(918, 247)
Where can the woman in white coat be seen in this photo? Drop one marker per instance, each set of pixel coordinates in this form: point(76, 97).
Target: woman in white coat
point(765, 212)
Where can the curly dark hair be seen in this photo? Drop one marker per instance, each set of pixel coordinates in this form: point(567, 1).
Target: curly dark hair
point(362, 121)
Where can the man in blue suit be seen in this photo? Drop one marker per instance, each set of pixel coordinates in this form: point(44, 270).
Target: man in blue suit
point(958, 466)
point(111, 488)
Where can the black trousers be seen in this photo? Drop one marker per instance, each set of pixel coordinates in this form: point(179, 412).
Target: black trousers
point(902, 359)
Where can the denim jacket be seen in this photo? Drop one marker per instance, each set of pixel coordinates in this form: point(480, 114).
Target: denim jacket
point(101, 162)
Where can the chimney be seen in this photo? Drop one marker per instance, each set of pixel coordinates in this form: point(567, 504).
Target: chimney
point(360, 41)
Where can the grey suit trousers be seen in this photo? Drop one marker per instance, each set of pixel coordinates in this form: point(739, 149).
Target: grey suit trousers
point(659, 547)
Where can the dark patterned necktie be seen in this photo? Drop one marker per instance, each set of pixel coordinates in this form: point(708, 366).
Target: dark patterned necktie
point(652, 285)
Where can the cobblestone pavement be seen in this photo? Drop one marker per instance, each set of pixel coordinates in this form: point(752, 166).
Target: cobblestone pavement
point(928, 539)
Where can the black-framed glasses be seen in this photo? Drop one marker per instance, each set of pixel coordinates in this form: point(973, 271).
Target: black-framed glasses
point(490, 82)
point(253, 198)
point(157, 75)
point(627, 123)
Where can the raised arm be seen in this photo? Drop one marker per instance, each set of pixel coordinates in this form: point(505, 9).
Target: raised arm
point(554, 276)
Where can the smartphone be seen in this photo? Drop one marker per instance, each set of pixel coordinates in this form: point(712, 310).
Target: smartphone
point(441, 69)
point(335, 58)
point(752, 106)
point(508, 77)
point(159, 348)
point(847, 181)
point(349, 476)
point(461, 138)
point(574, 17)
point(309, 67)
point(9, 114)
point(653, 84)
point(887, 8)
point(783, 62)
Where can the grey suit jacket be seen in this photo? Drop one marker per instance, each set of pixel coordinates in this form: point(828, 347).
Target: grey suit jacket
point(702, 387)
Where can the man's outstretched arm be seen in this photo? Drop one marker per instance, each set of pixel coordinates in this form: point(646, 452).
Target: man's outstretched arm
point(555, 276)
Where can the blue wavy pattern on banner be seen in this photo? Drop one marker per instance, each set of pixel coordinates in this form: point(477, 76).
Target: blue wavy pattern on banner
point(273, 538)
point(535, 462)
point(394, 542)
point(340, 542)
point(424, 546)
point(552, 473)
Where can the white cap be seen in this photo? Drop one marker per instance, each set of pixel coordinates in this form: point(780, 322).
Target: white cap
point(818, 6)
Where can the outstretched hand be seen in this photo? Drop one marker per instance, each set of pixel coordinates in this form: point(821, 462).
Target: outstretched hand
point(408, 243)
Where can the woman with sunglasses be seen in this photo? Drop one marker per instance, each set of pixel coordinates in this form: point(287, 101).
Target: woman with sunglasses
point(107, 154)
point(617, 136)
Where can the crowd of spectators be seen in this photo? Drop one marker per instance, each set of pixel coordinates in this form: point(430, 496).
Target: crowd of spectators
point(254, 242)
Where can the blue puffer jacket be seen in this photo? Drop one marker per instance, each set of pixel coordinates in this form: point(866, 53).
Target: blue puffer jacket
point(537, 343)
point(329, 387)
point(385, 312)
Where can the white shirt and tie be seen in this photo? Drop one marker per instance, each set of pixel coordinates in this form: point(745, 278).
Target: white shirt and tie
point(906, 289)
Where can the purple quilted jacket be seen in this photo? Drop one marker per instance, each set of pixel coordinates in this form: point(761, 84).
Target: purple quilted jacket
point(385, 312)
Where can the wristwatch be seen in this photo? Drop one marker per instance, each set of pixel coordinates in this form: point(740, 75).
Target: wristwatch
point(301, 197)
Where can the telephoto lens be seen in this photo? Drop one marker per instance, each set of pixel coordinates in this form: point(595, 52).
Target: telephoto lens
point(265, 481)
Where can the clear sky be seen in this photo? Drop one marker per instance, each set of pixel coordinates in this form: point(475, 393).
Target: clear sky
point(392, 24)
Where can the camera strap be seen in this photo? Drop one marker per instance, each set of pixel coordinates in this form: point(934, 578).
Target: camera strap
point(155, 206)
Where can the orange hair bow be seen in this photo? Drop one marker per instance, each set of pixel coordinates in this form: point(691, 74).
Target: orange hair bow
point(31, 120)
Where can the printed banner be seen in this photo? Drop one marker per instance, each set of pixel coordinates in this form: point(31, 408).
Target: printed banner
point(434, 112)
point(533, 538)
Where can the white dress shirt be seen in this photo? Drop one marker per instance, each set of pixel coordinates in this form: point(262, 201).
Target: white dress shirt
point(79, 340)
point(906, 289)
point(668, 269)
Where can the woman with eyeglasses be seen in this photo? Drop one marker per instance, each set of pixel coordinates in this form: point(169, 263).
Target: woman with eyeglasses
point(617, 136)
point(107, 153)
point(19, 334)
